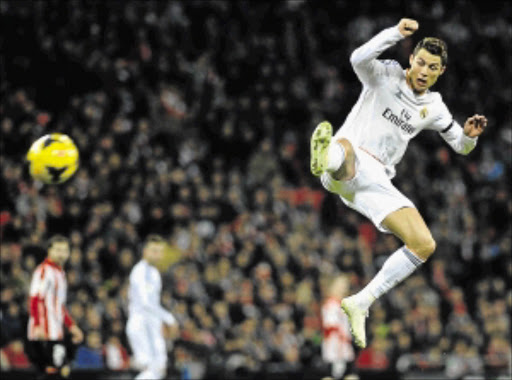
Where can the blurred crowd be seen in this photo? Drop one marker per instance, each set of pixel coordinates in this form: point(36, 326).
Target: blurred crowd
point(193, 121)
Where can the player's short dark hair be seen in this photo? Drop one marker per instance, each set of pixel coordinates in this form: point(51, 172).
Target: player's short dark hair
point(56, 239)
point(153, 238)
point(434, 46)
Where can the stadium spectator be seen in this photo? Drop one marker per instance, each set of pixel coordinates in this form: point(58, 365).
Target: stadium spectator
point(116, 356)
point(90, 355)
point(14, 356)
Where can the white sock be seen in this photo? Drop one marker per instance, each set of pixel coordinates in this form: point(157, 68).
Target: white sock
point(396, 268)
point(335, 156)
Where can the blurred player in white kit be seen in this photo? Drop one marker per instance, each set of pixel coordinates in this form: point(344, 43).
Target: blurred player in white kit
point(358, 162)
point(146, 315)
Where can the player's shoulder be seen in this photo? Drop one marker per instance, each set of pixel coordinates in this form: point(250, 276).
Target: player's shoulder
point(42, 268)
point(436, 99)
point(37, 270)
point(436, 96)
point(137, 268)
point(44, 272)
point(391, 63)
point(393, 68)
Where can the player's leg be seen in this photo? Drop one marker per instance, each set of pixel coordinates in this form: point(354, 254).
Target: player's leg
point(139, 342)
point(334, 156)
point(36, 351)
point(408, 225)
point(157, 366)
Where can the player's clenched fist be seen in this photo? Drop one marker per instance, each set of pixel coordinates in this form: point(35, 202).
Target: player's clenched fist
point(407, 26)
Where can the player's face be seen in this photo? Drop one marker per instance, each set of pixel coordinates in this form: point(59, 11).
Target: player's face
point(424, 71)
point(154, 252)
point(59, 252)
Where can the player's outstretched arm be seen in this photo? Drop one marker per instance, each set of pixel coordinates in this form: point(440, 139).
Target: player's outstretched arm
point(364, 58)
point(475, 125)
point(463, 139)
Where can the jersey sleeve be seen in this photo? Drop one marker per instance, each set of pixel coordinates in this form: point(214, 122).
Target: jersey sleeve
point(38, 288)
point(452, 132)
point(39, 283)
point(68, 320)
point(369, 70)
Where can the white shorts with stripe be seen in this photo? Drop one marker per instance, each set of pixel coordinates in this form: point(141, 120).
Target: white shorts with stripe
point(370, 192)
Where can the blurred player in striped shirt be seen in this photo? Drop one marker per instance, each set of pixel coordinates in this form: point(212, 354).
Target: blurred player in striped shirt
point(337, 349)
point(146, 315)
point(48, 345)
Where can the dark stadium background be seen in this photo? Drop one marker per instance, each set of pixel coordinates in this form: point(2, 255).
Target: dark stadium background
point(193, 121)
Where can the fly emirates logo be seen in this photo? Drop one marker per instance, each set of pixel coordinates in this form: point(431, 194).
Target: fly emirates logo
point(401, 121)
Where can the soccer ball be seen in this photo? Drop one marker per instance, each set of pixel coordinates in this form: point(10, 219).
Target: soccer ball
point(53, 158)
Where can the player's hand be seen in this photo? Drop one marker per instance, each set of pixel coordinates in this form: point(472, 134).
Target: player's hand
point(77, 336)
point(475, 125)
point(407, 26)
point(38, 333)
point(171, 331)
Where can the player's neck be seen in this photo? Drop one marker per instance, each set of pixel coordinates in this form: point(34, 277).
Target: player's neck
point(149, 262)
point(53, 263)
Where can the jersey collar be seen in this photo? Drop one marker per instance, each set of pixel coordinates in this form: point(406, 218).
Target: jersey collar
point(52, 263)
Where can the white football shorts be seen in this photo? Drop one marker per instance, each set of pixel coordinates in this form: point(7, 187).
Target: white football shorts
point(370, 192)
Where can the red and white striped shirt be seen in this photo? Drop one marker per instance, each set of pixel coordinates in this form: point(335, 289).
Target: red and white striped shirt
point(337, 340)
point(47, 302)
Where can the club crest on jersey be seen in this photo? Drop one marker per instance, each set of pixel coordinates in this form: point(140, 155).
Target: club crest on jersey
point(424, 113)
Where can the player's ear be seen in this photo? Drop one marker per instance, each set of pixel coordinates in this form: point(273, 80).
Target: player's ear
point(443, 68)
point(411, 59)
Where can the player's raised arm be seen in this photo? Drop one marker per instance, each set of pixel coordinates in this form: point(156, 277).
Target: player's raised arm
point(364, 58)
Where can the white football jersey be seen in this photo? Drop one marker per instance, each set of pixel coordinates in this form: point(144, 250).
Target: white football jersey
point(144, 294)
point(388, 114)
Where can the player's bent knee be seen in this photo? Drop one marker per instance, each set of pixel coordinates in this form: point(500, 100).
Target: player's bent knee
point(347, 169)
point(424, 248)
point(349, 149)
point(430, 247)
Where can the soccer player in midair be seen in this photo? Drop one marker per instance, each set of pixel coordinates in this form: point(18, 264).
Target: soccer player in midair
point(357, 163)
